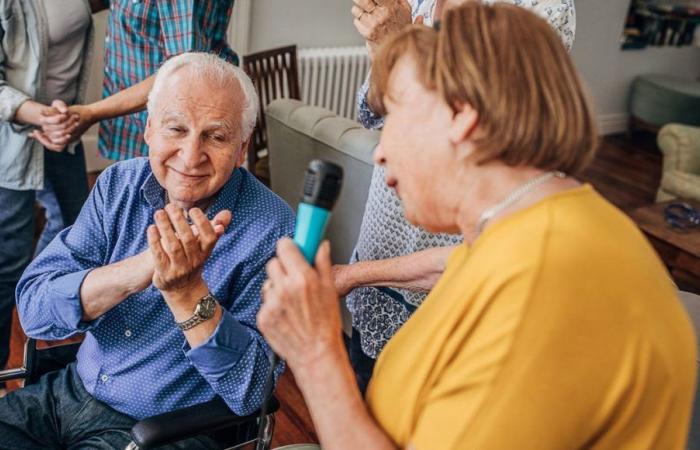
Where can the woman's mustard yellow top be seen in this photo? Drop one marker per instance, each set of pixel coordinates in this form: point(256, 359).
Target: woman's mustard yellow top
point(559, 328)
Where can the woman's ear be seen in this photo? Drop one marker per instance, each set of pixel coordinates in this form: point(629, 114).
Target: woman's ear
point(464, 122)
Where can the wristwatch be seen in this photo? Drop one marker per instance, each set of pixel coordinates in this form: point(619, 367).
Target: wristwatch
point(205, 309)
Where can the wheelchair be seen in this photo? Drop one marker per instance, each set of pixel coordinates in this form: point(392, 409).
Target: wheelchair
point(212, 418)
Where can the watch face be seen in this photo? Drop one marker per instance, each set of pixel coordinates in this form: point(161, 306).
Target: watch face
point(206, 307)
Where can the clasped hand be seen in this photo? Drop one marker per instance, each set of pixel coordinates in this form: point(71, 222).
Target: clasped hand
point(60, 124)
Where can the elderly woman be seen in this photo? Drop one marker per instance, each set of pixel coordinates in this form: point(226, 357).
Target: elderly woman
point(554, 325)
point(395, 264)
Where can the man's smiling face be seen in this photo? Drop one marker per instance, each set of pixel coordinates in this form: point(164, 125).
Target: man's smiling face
point(194, 137)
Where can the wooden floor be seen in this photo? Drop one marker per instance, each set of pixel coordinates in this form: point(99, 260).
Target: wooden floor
point(626, 171)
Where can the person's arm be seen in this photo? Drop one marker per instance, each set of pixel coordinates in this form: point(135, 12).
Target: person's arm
point(20, 109)
point(10, 98)
point(130, 100)
point(376, 20)
point(182, 31)
point(227, 350)
point(368, 118)
point(300, 318)
point(417, 272)
point(106, 287)
point(337, 409)
point(49, 292)
point(374, 27)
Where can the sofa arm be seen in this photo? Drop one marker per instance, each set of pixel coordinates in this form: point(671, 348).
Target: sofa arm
point(201, 419)
point(681, 184)
point(680, 145)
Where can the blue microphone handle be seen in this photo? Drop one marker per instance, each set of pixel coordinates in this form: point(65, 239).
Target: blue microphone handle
point(310, 229)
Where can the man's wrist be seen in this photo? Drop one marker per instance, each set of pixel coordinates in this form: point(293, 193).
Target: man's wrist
point(183, 301)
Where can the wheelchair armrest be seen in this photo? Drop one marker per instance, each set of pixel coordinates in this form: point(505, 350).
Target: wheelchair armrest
point(39, 361)
point(13, 374)
point(192, 421)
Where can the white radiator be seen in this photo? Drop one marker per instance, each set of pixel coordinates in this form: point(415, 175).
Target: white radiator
point(331, 76)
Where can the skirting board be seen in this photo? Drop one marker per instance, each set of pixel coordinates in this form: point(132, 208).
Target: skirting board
point(612, 123)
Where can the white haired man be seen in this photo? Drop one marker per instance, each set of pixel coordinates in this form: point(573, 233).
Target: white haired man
point(162, 282)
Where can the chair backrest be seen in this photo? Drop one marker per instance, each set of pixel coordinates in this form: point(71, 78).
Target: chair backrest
point(275, 75)
point(299, 133)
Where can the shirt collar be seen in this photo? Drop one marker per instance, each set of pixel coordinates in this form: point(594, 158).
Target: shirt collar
point(154, 194)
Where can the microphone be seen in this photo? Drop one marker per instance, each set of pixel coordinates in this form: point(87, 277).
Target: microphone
point(322, 184)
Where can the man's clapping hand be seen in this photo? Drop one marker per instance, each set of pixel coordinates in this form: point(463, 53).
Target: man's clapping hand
point(180, 250)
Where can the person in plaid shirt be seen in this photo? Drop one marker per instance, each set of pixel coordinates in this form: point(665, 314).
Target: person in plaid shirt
point(141, 35)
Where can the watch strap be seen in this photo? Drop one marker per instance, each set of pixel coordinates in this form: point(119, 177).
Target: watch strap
point(197, 318)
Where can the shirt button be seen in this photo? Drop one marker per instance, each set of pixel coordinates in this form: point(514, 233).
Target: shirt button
point(104, 378)
point(127, 333)
point(107, 39)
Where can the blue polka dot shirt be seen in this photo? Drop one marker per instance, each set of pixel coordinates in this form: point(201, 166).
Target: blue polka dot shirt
point(134, 358)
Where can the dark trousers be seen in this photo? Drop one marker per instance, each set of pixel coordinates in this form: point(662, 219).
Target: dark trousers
point(58, 413)
point(362, 364)
point(65, 191)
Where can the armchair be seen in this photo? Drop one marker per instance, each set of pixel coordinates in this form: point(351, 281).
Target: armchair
point(680, 145)
point(213, 418)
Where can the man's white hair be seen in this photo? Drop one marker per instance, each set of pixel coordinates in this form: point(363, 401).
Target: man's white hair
point(207, 66)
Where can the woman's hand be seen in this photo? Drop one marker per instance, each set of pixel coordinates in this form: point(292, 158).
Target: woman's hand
point(300, 315)
point(377, 19)
point(55, 123)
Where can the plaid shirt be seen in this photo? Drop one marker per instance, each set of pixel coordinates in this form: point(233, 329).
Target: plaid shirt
point(141, 35)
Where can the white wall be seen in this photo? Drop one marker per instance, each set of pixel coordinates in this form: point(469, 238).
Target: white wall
point(608, 71)
point(307, 23)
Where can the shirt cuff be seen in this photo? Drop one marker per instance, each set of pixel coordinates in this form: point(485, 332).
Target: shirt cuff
point(67, 307)
point(222, 351)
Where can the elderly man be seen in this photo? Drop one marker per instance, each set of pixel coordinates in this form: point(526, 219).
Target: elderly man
point(162, 281)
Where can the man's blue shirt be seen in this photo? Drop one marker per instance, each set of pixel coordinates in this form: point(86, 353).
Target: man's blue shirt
point(134, 358)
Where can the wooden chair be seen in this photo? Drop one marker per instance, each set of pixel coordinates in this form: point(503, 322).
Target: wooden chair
point(275, 75)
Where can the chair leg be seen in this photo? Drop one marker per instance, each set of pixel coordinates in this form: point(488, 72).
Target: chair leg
point(269, 431)
point(268, 427)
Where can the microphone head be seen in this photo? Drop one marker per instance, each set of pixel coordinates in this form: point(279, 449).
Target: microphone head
point(322, 183)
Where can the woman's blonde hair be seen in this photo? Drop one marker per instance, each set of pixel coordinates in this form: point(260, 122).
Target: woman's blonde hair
point(512, 68)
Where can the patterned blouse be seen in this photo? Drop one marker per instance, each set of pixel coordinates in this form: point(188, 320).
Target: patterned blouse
point(378, 313)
